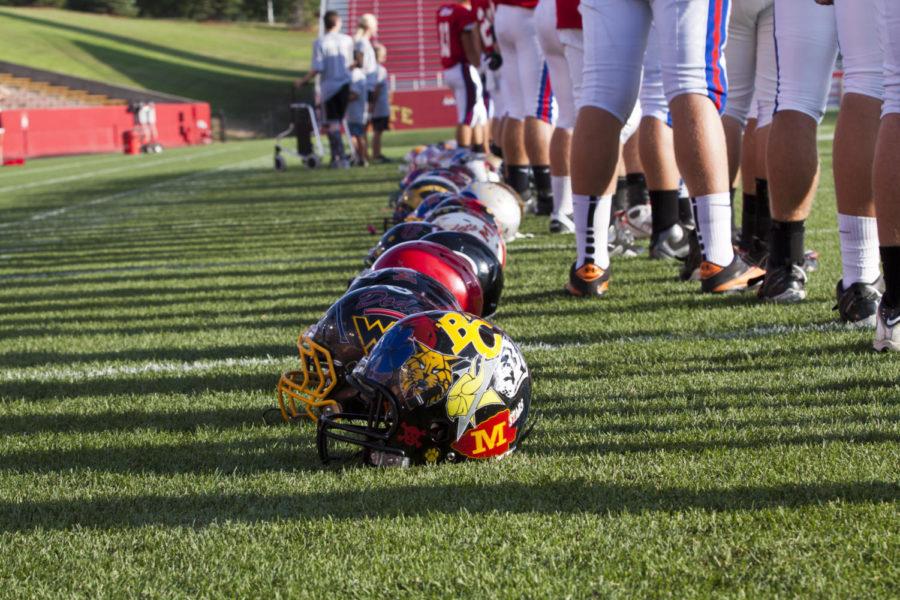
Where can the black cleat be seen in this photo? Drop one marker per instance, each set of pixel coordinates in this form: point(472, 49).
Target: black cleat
point(783, 285)
point(691, 269)
point(735, 277)
point(588, 281)
point(858, 304)
point(544, 205)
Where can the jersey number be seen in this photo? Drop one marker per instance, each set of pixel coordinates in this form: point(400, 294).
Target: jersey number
point(444, 32)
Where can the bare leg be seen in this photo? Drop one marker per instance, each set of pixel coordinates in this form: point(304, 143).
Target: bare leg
point(793, 165)
point(886, 181)
point(854, 154)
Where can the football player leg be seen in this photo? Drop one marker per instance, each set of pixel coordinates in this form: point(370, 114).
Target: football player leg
point(560, 142)
point(859, 289)
point(611, 80)
point(740, 55)
point(668, 240)
point(692, 35)
point(538, 132)
point(508, 22)
point(886, 181)
point(763, 106)
point(806, 44)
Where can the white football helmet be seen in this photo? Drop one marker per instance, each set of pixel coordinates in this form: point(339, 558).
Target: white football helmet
point(503, 201)
point(470, 223)
point(639, 221)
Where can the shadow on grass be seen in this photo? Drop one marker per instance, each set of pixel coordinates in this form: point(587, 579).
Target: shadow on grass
point(552, 497)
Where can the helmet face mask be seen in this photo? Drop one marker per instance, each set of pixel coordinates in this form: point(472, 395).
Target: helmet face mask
point(440, 386)
point(330, 349)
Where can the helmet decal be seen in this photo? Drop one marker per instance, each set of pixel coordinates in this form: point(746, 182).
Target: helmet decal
point(514, 373)
point(371, 326)
point(490, 438)
point(465, 331)
point(470, 393)
point(428, 374)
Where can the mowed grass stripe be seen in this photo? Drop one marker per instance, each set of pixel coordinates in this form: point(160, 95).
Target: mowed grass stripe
point(685, 446)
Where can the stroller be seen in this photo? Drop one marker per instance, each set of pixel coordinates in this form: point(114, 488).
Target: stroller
point(305, 127)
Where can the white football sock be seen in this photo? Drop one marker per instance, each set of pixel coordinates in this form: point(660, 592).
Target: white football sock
point(562, 195)
point(714, 227)
point(859, 249)
point(592, 229)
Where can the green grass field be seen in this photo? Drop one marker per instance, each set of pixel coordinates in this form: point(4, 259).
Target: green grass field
point(244, 69)
point(688, 446)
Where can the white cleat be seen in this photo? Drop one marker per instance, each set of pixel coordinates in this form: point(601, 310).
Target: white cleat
point(887, 329)
point(562, 224)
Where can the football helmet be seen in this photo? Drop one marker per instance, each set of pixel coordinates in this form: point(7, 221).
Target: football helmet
point(330, 348)
point(461, 203)
point(439, 386)
point(638, 220)
point(503, 201)
point(484, 263)
point(418, 190)
point(427, 288)
point(399, 233)
point(428, 204)
point(439, 263)
point(470, 223)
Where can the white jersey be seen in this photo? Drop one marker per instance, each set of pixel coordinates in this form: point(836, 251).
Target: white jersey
point(332, 58)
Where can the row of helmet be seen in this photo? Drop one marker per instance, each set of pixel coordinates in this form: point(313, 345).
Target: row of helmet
point(404, 368)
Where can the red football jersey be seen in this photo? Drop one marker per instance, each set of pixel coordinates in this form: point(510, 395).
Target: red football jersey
point(452, 21)
point(567, 15)
point(484, 14)
point(522, 3)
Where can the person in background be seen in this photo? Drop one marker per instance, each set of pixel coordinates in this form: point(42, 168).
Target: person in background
point(358, 116)
point(460, 52)
point(381, 107)
point(364, 56)
point(332, 59)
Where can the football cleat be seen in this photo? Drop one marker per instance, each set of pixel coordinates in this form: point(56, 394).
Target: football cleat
point(621, 241)
point(736, 277)
point(887, 328)
point(562, 224)
point(785, 284)
point(690, 271)
point(544, 205)
point(587, 281)
point(670, 244)
point(858, 304)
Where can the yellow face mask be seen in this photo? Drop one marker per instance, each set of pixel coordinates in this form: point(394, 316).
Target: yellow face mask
point(304, 393)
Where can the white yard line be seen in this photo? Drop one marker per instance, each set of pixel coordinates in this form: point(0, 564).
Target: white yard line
point(131, 167)
point(48, 373)
point(155, 367)
point(128, 193)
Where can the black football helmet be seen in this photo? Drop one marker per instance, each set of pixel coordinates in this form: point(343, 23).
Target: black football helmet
point(330, 349)
point(399, 233)
point(441, 386)
point(427, 288)
point(484, 263)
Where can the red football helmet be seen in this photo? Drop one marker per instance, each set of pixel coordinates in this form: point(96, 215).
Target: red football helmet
point(441, 263)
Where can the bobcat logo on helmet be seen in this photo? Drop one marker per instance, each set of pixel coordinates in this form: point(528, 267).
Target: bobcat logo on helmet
point(428, 374)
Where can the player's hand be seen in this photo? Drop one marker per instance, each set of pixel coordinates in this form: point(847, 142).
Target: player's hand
point(495, 61)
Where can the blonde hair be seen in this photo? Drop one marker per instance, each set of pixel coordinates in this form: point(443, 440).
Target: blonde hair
point(366, 23)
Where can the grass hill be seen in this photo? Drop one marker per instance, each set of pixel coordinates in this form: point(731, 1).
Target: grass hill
point(243, 69)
